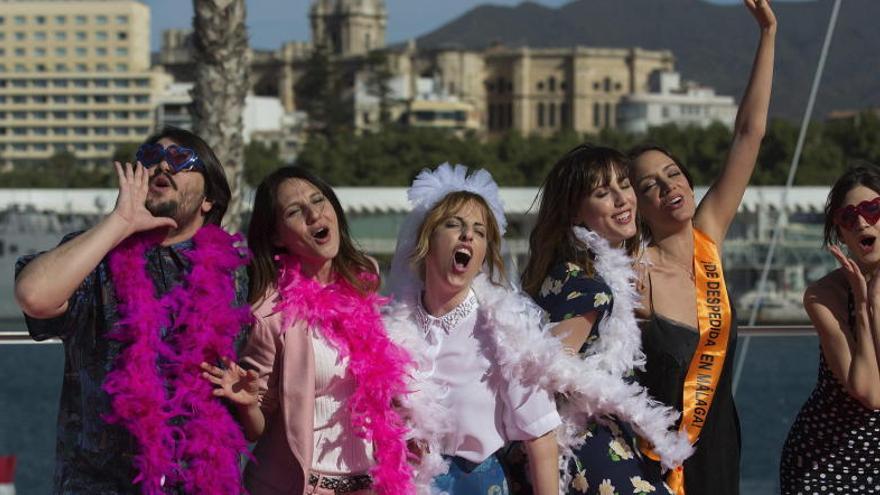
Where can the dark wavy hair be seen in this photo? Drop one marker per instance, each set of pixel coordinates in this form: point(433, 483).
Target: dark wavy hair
point(571, 179)
point(862, 174)
point(349, 263)
point(216, 186)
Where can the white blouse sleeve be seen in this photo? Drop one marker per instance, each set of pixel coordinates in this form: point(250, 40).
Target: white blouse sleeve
point(529, 412)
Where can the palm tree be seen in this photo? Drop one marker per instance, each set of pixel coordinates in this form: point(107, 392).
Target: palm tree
point(222, 59)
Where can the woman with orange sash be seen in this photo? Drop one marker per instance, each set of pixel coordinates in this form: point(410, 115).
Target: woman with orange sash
point(833, 444)
point(689, 341)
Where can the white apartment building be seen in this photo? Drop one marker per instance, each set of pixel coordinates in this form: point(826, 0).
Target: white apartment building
point(74, 76)
point(670, 101)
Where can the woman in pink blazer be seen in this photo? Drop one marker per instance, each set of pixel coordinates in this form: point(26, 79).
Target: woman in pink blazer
point(316, 381)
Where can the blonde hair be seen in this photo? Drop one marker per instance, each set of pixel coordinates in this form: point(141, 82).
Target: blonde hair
point(446, 208)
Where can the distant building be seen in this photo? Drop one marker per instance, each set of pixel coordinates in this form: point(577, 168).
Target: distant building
point(74, 76)
point(852, 115)
point(532, 91)
point(670, 101)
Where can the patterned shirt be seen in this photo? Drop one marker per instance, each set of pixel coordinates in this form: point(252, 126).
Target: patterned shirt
point(92, 456)
point(568, 291)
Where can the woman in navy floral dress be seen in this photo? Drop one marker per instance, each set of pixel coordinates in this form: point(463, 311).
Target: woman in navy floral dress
point(588, 187)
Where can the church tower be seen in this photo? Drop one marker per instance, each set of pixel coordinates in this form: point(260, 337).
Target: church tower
point(349, 27)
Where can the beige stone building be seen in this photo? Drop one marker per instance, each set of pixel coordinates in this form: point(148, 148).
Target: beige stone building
point(74, 76)
point(532, 91)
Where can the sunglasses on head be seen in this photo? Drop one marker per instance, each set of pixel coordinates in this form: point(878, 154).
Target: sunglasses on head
point(847, 217)
point(179, 158)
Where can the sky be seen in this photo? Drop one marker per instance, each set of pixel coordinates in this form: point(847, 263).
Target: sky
point(272, 22)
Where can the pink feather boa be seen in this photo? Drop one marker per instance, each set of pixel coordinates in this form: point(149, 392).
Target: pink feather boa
point(351, 321)
point(202, 452)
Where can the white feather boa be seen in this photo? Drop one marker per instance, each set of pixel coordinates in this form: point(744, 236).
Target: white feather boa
point(593, 386)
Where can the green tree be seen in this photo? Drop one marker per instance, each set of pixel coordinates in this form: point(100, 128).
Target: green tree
point(259, 161)
point(125, 152)
point(321, 93)
point(379, 83)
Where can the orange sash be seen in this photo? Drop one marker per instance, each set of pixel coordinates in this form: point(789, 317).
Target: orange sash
point(713, 321)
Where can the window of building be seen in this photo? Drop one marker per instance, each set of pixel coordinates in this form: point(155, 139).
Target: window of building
point(141, 98)
point(40, 35)
point(18, 147)
point(120, 115)
point(102, 147)
point(59, 83)
point(2, 20)
point(597, 115)
point(540, 115)
point(81, 51)
point(617, 86)
point(40, 115)
point(80, 99)
point(120, 98)
point(39, 51)
point(81, 36)
point(59, 116)
point(80, 83)
point(606, 84)
point(81, 131)
point(101, 83)
point(609, 115)
point(563, 115)
point(19, 115)
point(60, 35)
point(121, 35)
point(120, 131)
point(121, 83)
point(101, 131)
point(2, 68)
point(121, 67)
point(101, 115)
point(540, 85)
point(59, 147)
point(20, 68)
point(551, 85)
point(60, 51)
point(82, 68)
point(19, 131)
point(40, 19)
point(142, 83)
point(101, 51)
point(19, 83)
point(81, 146)
point(80, 19)
point(551, 115)
point(121, 51)
point(40, 83)
point(40, 131)
point(101, 99)
point(101, 35)
point(101, 19)
point(141, 130)
point(101, 68)
point(20, 36)
point(2, 35)
point(2, 51)
point(60, 99)
point(19, 52)
point(142, 115)
point(121, 19)
point(664, 112)
point(40, 99)
point(60, 19)
point(20, 19)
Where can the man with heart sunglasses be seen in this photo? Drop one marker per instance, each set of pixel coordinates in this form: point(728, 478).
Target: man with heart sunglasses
point(136, 318)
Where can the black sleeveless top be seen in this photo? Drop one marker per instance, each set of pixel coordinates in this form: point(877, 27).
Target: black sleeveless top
point(669, 347)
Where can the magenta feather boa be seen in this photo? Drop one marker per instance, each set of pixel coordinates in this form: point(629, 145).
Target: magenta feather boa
point(351, 321)
point(202, 452)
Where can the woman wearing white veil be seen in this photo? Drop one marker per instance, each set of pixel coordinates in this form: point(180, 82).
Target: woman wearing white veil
point(452, 310)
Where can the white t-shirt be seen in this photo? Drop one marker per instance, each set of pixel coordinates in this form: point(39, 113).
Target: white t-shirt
point(487, 410)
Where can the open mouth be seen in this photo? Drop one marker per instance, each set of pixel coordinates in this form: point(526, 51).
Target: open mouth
point(162, 181)
point(623, 218)
point(867, 242)
point(461, 259)
point(675, 202)
point(321, 234)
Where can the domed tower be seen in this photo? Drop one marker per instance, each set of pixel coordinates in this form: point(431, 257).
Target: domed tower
point(349, 27)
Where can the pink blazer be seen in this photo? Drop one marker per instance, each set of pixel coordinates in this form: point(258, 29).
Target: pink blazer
point(286, 365)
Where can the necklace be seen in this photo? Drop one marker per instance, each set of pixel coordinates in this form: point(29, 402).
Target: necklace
point(186, 437)
point(689, 270)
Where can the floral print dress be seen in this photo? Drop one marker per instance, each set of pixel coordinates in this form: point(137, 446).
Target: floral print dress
point(608, 463)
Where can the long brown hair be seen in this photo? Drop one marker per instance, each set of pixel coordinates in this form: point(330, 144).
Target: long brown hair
point(571, 179)
point(349, 263)
point(444, 209)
